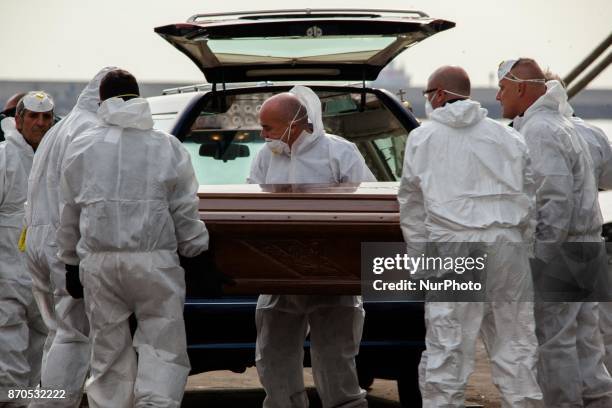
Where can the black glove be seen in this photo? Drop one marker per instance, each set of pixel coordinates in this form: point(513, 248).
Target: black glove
point(73, 284)
point(203, 277)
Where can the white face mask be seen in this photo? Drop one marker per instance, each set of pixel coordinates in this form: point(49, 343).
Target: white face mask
point(428, 108)
point(279, 146)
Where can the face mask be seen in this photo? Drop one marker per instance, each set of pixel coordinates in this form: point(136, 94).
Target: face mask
point(278, 146)
point(428, 108)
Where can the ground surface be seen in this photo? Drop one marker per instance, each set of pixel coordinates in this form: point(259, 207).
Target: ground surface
point(227, 389)
point(223, 389)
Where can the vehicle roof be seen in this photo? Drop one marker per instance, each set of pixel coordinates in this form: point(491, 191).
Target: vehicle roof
point(171, 104)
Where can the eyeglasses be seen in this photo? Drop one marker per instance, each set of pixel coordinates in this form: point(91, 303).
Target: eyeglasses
point(428, 91)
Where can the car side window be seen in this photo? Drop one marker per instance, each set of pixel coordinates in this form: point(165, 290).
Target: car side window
point(376, 131)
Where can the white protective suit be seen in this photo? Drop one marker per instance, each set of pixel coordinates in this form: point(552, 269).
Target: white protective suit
point(596, 140)
point(601, 154)
point(67, 360)
point(335, 322)
point(127, 201)
point(570, 367)
point(22, 330)
point(467, 178)
point(599, 147)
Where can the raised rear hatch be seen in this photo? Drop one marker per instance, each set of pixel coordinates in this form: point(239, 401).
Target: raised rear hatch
point(310, 44)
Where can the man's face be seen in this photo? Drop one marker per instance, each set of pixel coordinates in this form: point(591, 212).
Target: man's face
point(271, 126)
point(509, 98)
point(432, 95)
point(34, 125)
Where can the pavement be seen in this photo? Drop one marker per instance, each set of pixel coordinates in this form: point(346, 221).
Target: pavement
point(227, 389)
point(223, 389)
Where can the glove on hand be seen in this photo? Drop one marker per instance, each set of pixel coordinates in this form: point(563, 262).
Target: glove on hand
point(73, 284)
point(204, 277)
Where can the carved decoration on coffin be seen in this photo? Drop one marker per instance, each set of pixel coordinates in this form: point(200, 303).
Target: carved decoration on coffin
point(300, 257)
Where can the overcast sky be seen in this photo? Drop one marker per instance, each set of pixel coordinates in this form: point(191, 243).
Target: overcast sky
point(73, 39)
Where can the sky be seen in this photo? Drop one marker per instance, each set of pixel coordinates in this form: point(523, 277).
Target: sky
point(72, 39)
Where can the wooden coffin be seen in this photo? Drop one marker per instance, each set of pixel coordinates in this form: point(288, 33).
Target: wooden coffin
point(297, 239)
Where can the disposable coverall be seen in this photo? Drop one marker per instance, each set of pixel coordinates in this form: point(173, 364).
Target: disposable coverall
point(599, 147)
point(570, 367)
point(335, 322)
point(601, 154)
point(467, 179)
point(127, 201)
point(22, 330)
point(67, 360)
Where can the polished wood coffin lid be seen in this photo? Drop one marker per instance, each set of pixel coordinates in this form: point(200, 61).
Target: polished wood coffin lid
point(297, 239)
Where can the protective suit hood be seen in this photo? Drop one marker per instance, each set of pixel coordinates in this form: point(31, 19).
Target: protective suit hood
point(459, 114)
point(312, 103)
point(309, 99)
point(559, 93)
point(552, 100)
point(11, 134)
point(43, 192)
point(8, 125)
point(135, 113)
point(90, 96)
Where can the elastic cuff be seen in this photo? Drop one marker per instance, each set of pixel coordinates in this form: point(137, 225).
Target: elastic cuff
point(68, 260)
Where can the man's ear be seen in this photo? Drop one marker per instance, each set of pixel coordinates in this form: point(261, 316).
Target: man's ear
point(296, 129)
point(522, 87)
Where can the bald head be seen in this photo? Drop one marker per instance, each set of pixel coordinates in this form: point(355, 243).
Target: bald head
point(450, 78)
point(447, 83)
point(285, 106)
point(521, 87)
point(526, 68)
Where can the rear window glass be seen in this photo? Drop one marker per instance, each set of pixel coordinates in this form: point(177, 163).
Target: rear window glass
point(223, 145)
point(291, 50)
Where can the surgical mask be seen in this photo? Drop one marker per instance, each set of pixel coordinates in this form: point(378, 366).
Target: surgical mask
point(279, 146)
point(456, 94)
point(505, 67)
point(428, 108)
point(513, 78)
point(503, 72)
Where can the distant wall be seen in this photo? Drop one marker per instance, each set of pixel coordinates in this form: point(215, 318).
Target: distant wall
point(589, 104)
point(65, 94)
